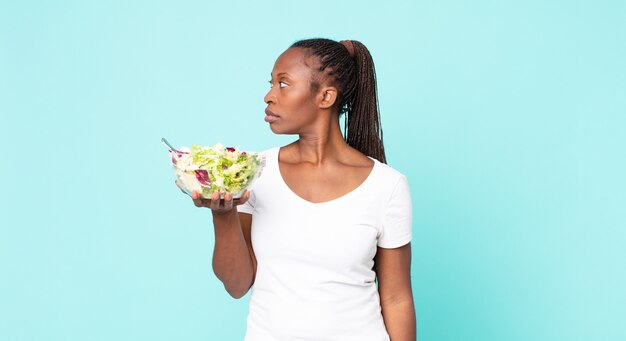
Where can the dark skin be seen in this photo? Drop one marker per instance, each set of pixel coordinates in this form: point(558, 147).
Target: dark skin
point(309, 166)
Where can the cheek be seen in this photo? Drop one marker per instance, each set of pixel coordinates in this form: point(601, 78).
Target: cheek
point(298, 112)
point(301, 102)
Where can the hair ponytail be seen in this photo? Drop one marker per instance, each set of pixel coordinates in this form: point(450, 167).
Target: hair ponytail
point(362, 120)
point(349, 66)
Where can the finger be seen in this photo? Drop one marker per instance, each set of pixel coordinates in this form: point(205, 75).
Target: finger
point(215, 200)
point(197, 199)
point(194, 197)
point(228, 201)
point(242, 200)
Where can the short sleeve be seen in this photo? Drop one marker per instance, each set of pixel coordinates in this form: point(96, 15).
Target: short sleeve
point(248, 206)
point(396, 229)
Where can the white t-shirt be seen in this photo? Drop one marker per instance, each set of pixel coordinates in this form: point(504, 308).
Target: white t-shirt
point(314, 278)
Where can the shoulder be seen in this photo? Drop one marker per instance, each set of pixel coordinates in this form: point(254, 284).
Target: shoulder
point(268, 153)
point(388, 180)
point(266, 177)
point(388, 173)
point(269, 150)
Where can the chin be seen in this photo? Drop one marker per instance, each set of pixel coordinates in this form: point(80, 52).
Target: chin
point(275, 129)
point(281, 131)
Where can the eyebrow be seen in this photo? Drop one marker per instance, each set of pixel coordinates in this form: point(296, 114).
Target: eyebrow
point(280, 74)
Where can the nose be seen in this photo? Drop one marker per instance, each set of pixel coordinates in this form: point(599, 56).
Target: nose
point(269, 97)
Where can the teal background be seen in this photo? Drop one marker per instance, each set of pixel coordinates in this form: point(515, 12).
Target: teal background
point(507, 117)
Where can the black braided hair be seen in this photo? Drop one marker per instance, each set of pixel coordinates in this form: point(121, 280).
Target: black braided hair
point(355, 80)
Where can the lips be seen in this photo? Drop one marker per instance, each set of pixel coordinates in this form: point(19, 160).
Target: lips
point(270, 117)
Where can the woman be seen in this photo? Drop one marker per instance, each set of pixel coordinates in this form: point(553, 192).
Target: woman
point(328, 218)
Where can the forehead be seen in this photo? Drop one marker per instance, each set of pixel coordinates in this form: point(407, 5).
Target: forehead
point(294, 62)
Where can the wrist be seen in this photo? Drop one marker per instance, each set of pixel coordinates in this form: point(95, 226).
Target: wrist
point(224, 216)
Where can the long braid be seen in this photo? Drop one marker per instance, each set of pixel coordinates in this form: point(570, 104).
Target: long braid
point(363, 120)
point(355, 79)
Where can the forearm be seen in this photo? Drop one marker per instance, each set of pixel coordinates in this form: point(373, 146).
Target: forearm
point(399, 320)
point(232, 263)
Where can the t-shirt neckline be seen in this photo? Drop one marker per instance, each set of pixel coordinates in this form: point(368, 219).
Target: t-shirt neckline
point(328, 202)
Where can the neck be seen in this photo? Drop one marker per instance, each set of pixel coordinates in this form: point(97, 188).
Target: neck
point(324, 143)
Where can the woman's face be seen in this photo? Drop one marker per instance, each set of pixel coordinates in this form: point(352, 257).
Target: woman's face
point(291, 106)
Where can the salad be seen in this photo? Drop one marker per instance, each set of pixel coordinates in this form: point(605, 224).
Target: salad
point(216, 168)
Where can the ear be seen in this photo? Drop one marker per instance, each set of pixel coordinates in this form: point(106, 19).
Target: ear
point(327, 97)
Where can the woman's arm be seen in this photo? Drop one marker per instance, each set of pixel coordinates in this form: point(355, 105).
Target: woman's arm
point(393, 267)
point(233, 258)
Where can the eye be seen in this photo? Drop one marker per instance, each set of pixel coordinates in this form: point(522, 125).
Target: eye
point(281, 84)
